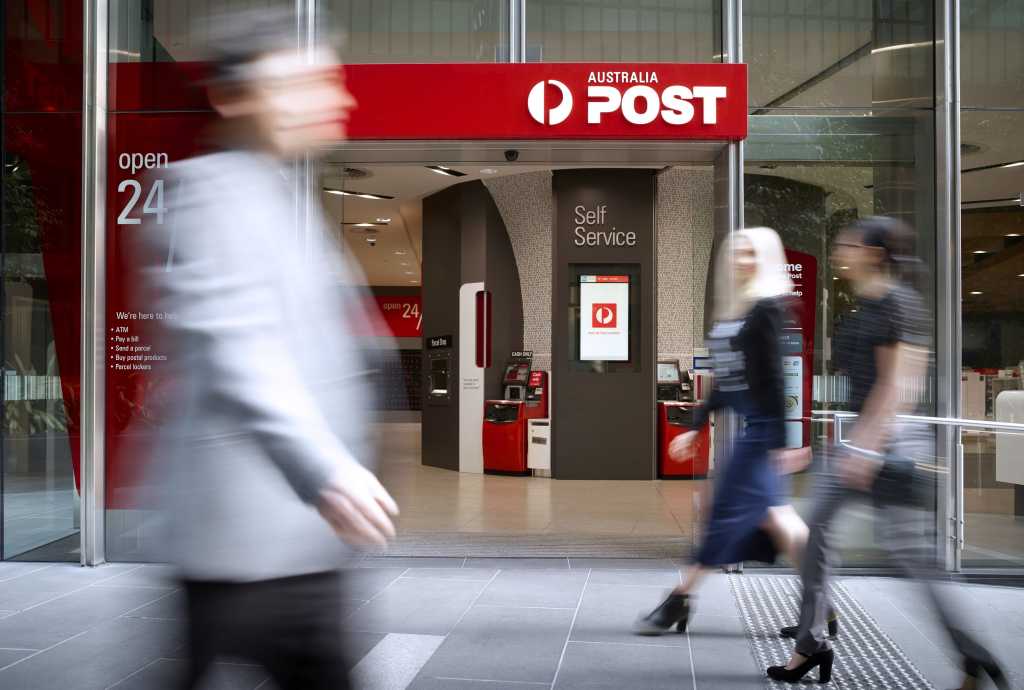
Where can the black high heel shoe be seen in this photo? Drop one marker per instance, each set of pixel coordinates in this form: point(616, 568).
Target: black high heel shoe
point(822, 659)
point(675, 610)
point(790, 631)
point(978, 661)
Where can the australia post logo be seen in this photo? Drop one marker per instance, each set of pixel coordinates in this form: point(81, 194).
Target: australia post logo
point(605, 315)
point(638, 96)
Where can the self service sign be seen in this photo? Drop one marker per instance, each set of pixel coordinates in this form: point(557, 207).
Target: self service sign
point(549, 101)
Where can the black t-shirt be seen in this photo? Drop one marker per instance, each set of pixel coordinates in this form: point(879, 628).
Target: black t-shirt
point(897, 317)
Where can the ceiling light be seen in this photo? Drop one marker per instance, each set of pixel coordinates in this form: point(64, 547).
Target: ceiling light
point(410, 273)
point(1013, 234)
point(980, 251)
point(977, 292)
point(364, 195)
point(383, 220)
point(835, 277)
point(445, 170)
point(844, 268)
point(400, 253)
point(405, 263)
point(1020, 275)
point(489, 171)
point(415, 282)
point(1015, 164)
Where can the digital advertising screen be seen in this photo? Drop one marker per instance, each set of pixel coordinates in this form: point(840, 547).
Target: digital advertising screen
point(604, 318)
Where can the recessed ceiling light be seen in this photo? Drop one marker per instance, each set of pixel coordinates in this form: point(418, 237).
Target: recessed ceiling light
point(383, 220)
point(977, 292)
point(400, 253)
point(364, 195)
point(445, 170)
point(835, 277)
point(488, 171)
point(1020, 275)
point(980, 251)
point(410, 273)
point(1015, 164)
point(1013, 234)
point(844, 268)
point(405, 263)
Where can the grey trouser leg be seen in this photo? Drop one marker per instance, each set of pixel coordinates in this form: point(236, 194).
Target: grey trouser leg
point(829, 497)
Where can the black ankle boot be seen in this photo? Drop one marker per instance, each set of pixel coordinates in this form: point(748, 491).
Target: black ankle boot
point(824, 659)
point(675, 610)
point(790, 631)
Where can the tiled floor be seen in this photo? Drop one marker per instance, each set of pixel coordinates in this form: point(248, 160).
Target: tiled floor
point(439, 623)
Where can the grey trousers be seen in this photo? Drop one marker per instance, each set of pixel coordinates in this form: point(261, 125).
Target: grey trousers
point(904, 526)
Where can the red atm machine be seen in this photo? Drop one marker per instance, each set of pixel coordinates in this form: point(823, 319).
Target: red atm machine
point(675, 417)
point(505, 420)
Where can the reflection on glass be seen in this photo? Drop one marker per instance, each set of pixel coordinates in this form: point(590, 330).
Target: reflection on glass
point(991, 53)
point(854, 53)
point(39, 495)
point(623, 30)
point(381, 31)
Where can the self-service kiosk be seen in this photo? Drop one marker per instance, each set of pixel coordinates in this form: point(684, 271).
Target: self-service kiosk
point(675, 416)
point(506, 421)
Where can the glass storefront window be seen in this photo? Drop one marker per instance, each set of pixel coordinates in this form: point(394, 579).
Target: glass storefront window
point(412, 31)
point(623, 30)
point(991, 54)
point(839, 54)
point(40, 259)
point(992, 256)
point(809, 174)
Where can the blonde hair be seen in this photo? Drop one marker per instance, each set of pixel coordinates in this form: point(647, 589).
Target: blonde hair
point(770, 279)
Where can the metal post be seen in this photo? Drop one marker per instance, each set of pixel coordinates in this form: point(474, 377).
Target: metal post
point(948, 320)
point(94, 336)
point(517, 30)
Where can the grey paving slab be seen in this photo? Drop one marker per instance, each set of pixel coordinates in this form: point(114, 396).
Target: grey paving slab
point(410, 562)
point(426, 683)
point(9, 656)
point(11, 570)
point(37, 587)
point(171, 606)
point(479, 574)
point(148, 575)
point(356, 645)
point(369, 582)
point(624, 666)
point(519, 563)
point(395, 661)
point(166, 674)
point(419, 607)
point(506, 644)
point(61, 618)
point(607, 614)
point(544, 588)
point(94, 659)
point(623, 563)
point(644, 578)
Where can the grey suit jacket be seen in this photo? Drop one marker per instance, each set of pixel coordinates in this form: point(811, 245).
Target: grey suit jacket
point(270, 391)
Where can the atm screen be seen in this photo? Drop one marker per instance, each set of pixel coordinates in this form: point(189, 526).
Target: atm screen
point(668, 372)
point(604, 318)
point(517, 373)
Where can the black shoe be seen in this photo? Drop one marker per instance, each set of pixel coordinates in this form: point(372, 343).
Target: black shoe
point(790, 631)
point(978, 661)
point(824, 659)
point(675, 610)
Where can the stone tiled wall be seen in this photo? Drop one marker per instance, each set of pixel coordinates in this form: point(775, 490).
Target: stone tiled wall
point(684, 200)
point(526, 205)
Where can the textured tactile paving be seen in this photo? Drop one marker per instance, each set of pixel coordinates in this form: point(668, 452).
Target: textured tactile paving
point(866, 659)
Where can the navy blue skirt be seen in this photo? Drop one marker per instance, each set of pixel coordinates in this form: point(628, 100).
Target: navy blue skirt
point(749, 484)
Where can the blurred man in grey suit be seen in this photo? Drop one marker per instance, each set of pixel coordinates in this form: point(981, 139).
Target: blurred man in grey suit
point(268, 491)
